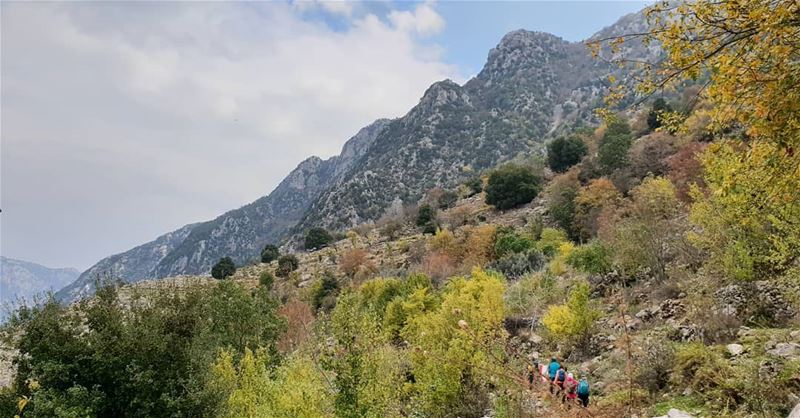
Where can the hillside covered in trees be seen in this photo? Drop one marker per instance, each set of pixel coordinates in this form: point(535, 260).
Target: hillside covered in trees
point(656, 253)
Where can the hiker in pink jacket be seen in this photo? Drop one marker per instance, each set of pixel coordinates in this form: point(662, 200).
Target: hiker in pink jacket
point(570, 389)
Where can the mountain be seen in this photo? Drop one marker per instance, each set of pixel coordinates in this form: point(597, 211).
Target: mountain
point(240, 233)
point(534, 86)
point(23, 279)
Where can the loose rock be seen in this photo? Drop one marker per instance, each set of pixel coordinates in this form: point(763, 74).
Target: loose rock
point(735, 349)
point(785, 350)
point(676, 413)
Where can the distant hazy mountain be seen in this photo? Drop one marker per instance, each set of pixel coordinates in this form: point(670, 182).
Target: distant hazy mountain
point(23, 279)
point(533, 87)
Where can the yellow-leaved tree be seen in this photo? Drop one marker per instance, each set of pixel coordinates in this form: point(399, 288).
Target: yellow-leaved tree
point(295, 389)
point(746, 52)
point(573, 321)
point(458, 347)
point(750, 214)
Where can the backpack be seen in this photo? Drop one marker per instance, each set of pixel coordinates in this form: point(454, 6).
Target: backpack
point(560, 376)
point(583, 388)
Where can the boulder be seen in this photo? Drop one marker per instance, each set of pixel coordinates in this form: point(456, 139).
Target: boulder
point(795, 412)
point(769, 369)
point(735, 349)
point(771, 296)
point(644, 314)
point(676, 413)
point(741, 300)
point(785, 350)
point(671, 308)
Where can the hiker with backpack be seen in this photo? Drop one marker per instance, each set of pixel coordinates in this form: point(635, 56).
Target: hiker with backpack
point(552, 370)
point(583, 390)
point(570, 390)
point(561, 377)
point(532, 371)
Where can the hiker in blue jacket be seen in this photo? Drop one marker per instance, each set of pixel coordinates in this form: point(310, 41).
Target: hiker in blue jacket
point(583, 390)
point(552, 369)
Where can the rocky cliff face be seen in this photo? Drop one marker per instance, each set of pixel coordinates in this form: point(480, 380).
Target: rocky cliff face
point(23, 279)
point(534, 86)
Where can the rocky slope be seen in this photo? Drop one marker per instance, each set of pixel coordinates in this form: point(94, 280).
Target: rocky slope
point(534, 85)
point(23, 279)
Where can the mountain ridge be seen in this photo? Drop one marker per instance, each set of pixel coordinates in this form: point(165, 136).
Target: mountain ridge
point(534, 86)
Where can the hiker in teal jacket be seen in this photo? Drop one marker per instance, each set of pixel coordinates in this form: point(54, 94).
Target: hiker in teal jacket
point(552, 369)
point(583, 390)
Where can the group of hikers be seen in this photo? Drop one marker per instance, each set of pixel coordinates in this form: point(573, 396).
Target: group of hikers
point(562, 382)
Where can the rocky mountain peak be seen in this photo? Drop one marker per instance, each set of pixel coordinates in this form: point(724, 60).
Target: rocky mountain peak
point(299, 177)
point(443, 94)
point(521, 49)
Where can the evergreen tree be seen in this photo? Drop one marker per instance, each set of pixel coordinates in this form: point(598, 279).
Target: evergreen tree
point(317, 238)
point(512, 185)
point(613, 151)
point(269, 253)
point(287, 264)
point(223, 269)
point(426, 218)
point(563, 153)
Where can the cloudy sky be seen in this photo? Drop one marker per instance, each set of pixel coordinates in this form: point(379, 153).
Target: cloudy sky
point(121, 121)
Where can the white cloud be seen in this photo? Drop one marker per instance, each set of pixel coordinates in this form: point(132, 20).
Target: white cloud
point(423, 20)
point(124, 120)
point(340, 7)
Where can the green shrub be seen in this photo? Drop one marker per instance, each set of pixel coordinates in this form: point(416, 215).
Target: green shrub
point(425, 215)
point(474, 186)
point(512, 185)
point(550, 241)
point(560, 195)
point(317, 238)
point(592, 258)
point(266, 279)
point(563, 153)
point(223, 269)
point(269, 253)
point(704, 370)
point(287, 264)
point(324, 291)
point(510, 242)
point(653, 365)
point(426, 219)
point(145, 355)
point(516, 265)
